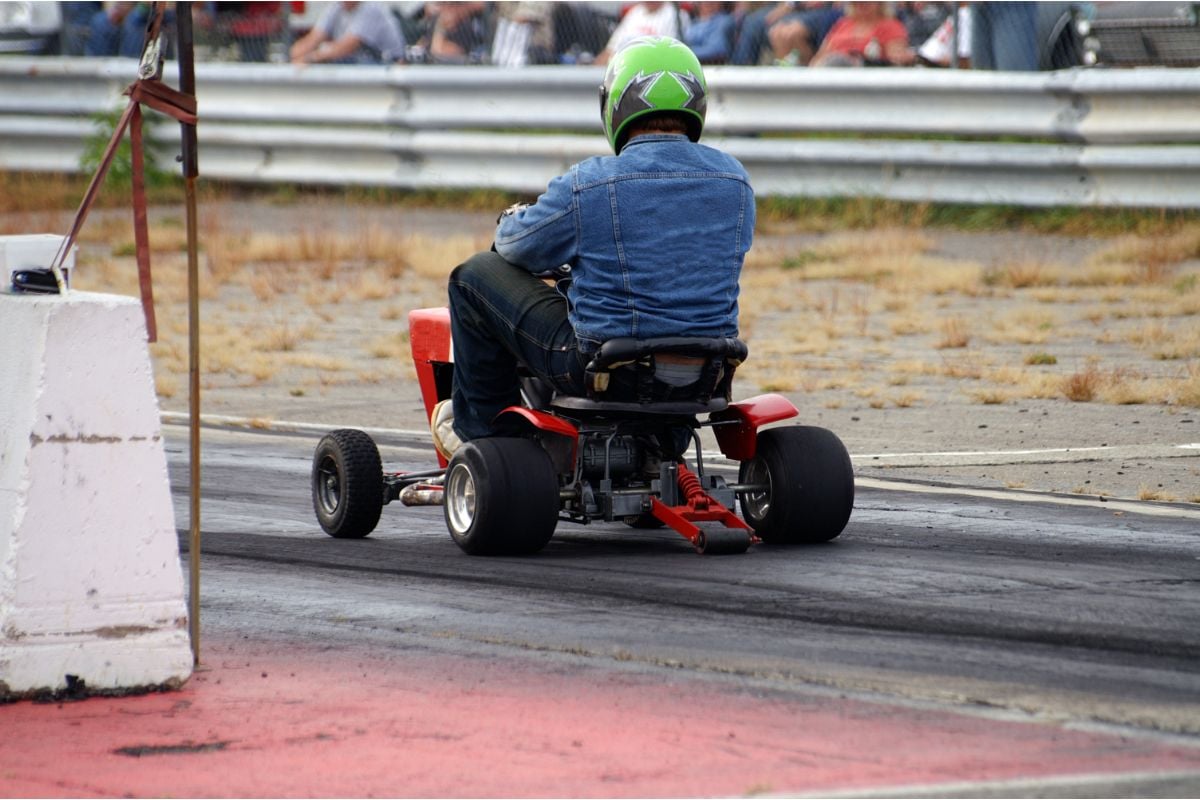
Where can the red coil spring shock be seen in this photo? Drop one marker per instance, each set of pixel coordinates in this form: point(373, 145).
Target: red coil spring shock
point(689, 485)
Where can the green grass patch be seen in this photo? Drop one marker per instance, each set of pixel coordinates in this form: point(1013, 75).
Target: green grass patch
point(1040, 359)
point(840, 213)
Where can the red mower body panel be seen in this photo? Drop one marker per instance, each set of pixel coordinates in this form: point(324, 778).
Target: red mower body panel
point(429, 338)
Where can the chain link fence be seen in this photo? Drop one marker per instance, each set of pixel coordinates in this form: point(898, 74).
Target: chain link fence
point(979, 35)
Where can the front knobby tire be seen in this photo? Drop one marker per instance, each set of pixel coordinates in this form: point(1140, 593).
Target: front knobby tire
point(347, 484)
point(501, 497)
point(808, 485)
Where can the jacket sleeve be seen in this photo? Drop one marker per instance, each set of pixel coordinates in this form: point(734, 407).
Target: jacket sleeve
point(543, 236)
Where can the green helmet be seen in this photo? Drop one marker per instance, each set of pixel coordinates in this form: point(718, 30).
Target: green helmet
point(652, 74)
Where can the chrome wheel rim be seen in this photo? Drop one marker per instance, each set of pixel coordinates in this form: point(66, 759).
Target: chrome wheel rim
point(757, 505)
point(460, 498)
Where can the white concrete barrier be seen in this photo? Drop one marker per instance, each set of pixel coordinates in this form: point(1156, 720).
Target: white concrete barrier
point(91, 588)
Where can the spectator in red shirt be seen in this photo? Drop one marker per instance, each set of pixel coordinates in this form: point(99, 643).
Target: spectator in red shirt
point(866, 35)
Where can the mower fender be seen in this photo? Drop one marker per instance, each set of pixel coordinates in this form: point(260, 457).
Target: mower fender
point(562, 445)
point(737, 436)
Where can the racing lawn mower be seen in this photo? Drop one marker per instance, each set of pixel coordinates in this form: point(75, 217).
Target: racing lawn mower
point(616, 455)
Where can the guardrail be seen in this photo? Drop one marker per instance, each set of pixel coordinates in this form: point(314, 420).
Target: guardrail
point(1115, 138)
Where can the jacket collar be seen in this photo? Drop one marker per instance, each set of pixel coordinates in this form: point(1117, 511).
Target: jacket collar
point(646, 138)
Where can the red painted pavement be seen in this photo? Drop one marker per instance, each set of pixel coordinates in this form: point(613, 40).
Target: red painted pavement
point(287, 721)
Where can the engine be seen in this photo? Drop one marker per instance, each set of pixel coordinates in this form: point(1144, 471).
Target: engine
point(624, 456)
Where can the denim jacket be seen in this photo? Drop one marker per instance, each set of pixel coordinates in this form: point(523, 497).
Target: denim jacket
point(655, 238)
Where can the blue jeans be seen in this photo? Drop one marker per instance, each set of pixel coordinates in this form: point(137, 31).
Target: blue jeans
point(751, 38)
point(1004, 36)
point(502, 317)
point(125, 38)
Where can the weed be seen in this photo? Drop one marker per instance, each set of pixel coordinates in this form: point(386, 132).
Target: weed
point(1147, 493)
point(954, 334)
point(166, 385)
point(990, 397)
point(1024, 326)
point(1081, 386)
point(910, 324)
point(1186, 283)
point(968, 366)
point(1187, 391)
point(120, 170)
point(1040, 359)
point(800, 259)
point(1021, 275)
point(389, 347)
point(284, 338)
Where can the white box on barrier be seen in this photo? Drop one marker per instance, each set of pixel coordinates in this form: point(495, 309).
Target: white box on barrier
point(33, 251)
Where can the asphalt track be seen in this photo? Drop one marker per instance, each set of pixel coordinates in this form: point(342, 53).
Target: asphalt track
point(949, 643)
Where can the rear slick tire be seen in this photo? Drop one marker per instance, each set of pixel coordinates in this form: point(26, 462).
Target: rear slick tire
point(810, 486)
point(501, 497)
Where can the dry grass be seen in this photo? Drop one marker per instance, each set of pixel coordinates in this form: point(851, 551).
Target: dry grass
point(955, 334)
point(1023, 274)
point(990, 396)
point(1148, 493)
point(1187, 388)
point(1040, 359)
point(1153, 257)
point(908, 399)
point(1027, 325)
point(970, 366)
point(1082, 386)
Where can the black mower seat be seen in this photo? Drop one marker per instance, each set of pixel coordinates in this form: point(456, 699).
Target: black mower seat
point(666, 375)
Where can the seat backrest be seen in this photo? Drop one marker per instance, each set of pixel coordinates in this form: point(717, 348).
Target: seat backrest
point(668, 369)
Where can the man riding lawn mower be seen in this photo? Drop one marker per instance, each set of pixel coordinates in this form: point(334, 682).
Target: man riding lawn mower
point(578, 399)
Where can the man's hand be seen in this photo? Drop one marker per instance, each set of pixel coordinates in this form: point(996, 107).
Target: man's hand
point(508, 212)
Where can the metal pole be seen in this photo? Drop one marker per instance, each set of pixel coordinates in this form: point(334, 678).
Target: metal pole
point(187, 85)
point(955, 11)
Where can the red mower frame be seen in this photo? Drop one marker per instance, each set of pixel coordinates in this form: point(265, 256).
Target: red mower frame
point(795, 483)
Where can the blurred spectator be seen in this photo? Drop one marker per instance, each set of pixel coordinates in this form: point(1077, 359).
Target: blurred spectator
point(581, 32)
point(711, 34)
point(119, 29)
point(1004, 36)
point(752, 30)
point(76, 26)
point(250, 26)
point(796, 26)
point(937, 48)
point(866, 36)
point(351, 33)
point(645, 19)
point(798, 36)
point(921, 19)
point(524, 34)
point(452, 33)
